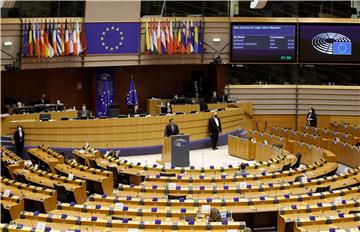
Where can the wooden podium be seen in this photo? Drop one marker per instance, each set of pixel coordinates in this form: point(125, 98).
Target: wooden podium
point(176, 150)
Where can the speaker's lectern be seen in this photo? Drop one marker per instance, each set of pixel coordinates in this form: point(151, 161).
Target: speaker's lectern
point(176, 151)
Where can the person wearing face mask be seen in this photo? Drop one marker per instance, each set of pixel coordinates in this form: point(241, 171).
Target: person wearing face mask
point(168, 108)
point(171, 129)
point(214, 130)
point(19, 138)
point(83, 113)
point(214, 98)
point(311, 118)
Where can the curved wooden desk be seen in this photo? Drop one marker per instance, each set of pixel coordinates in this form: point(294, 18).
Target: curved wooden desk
point(126, 132)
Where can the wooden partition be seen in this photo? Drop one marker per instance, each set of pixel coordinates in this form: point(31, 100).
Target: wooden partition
point(20, 118)
point(126, 132)
point(287, 105)
point(241, 148)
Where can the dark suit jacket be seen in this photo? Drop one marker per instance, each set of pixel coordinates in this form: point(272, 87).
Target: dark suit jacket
point(213, 128)
point(214, 99)
point(17, 138)
point(169, 132)
point(46, 101)
point(313, 121)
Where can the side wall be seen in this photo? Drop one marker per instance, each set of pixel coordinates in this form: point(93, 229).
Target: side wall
point(287, 105)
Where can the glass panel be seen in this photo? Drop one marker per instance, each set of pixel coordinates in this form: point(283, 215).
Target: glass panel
point(28, 9)
point(292, 74)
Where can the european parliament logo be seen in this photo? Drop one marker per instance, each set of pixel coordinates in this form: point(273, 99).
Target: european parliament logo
point(332, 43)
point(112, 38)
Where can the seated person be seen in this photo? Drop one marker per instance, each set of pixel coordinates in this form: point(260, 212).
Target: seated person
point(83, 113)
point(241, 171)
point(214, 216)
point(214, 98)
point(43, 100)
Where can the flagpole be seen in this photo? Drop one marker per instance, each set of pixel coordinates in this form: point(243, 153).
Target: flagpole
point(163, 7)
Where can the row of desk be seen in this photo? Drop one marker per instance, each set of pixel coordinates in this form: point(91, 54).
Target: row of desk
point(346, 128)
point(345, 153)
point(329, 134)
point(99, 181)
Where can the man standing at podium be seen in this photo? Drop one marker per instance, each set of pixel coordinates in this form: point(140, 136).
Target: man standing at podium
point(171, 128)
point(214, 130)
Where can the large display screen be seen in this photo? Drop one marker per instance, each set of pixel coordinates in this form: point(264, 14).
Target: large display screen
point(332, 43)
point(263, 42)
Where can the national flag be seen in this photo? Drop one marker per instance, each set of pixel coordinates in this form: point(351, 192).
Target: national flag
point(151, 38)
point(196, 38)
point(183, 38)
point(46, 41)
point(179, 42)
point(62, 38)
point(154, 37)
point(50, 50)
point(158, 36)
point(58, 40)
point(35, 45)
point(201, 34)
point(25, 47)
point(30, 41)
point(167, 38)
point(171, 38)
point(67, 39)
point(71, 42)
point(132, 98)
point(50, 32)
point(191, 36)
point(163, 39)
point(83, 39)
point(147, 36)
point(76, 38)
point(175, 40)
point(54, 35)
point(41, 40)
point(187, 46)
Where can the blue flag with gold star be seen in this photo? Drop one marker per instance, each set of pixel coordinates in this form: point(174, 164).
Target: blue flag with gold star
point(104, 90)
point(112, 38)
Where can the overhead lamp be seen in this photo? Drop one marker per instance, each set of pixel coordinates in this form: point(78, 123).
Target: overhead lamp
point(216, 40)
point(7, 43)
point(258, 4)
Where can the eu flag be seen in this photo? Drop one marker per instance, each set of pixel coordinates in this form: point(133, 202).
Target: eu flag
point(131, 98)
point(342, 48)
point(112, 38)
point(104, 90)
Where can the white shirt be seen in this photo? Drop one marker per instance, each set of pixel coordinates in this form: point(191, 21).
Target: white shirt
point(216, 121)
point(20, 133)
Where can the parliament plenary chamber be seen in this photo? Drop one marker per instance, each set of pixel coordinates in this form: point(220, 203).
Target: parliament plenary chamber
point(138, 115)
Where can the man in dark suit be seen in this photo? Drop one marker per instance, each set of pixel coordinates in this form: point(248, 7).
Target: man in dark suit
point(214, 130)
point(19, 137)
point(43, 100)
point(171, 129)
